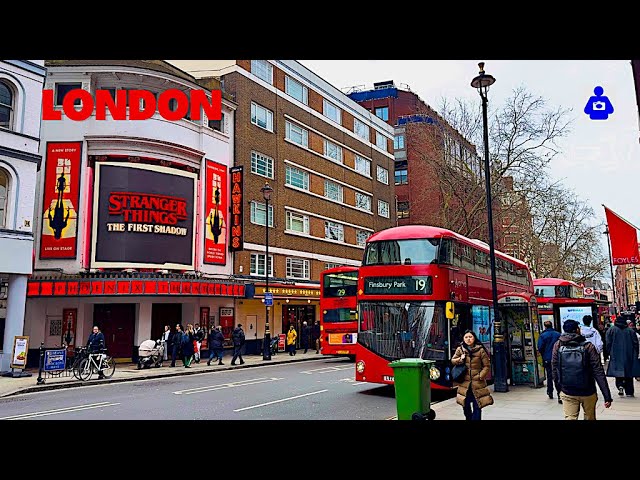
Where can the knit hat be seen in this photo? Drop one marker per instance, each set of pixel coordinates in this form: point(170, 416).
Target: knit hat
point(570, 326)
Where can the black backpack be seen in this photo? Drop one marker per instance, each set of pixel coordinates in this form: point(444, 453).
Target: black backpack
point(573, 366)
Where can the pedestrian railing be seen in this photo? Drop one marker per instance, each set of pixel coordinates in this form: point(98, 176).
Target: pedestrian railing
point(54, 363)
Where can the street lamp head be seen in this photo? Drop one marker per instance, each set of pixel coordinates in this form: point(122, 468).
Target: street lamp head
point(483, 81)
point(266, 191)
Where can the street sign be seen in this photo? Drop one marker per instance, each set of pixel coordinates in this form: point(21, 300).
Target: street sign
point(588, 291)
point(268, 299)
point(55, 360)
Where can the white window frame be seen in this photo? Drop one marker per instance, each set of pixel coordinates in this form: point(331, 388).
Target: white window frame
point(382, 174)
point(381, 141)
point(297, 217)
point(397, 141)
point(365, 168)
point(327, 266)
point(257, 157)
point(359, 235)
point(337, 229)
point(254, 210)
point(361, 129)
point(11, 107)
point(338, 149)
point(267, 74)
point(305, 91)
point(305, 264)
point(304, 133)
point(362, 198)
point(340, 189)
point(269, 116)
point(257, 256)
point(338, 111)
point(55, 93)
point(293, 170)
point(381, 207)
point(4, 201)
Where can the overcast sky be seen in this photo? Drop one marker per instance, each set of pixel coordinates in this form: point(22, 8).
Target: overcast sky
point(600, 160)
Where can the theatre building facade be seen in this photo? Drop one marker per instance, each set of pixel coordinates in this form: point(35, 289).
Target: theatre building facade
point(131, 215)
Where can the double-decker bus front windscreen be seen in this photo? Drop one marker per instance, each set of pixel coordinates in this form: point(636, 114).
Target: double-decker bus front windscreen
point(396, 330)
point(340, 285)
point(421, 251)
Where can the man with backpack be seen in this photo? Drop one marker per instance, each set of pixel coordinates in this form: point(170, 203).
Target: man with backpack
point(576, 369)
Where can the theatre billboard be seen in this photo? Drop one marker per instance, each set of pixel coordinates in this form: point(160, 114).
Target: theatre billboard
point(143, 217)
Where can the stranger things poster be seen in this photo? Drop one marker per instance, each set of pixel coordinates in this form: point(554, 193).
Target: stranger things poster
point(215, 214)
point(61, 194)
point(143, 217)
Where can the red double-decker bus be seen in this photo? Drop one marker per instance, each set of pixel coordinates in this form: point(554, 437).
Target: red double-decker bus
point(338, 321)
point(559, 300)
point(408, 275)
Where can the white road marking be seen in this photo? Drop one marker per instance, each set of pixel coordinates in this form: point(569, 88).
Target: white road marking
point(222, 386)
point(281, 400)
point(327, 369)
point(57, 411)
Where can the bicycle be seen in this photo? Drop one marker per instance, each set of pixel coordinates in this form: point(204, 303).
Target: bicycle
point(80, 354)
point(97, 362)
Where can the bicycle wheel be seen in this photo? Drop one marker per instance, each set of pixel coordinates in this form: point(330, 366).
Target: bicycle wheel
point(85, 369)
point(108, 367)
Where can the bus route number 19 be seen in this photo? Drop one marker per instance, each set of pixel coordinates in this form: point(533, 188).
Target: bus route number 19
point(420, 284)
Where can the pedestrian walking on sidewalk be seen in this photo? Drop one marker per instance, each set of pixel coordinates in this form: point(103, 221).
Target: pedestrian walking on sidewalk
point(622, 347)
point(215, 340)
point(166, 338)
point(576, 369)
point(306, 336)
point(175, 342)
point(238, 341)
point(591, 334)
point(198, 336)
point(547, 340)
point(473, 391)
point(187, 346)
point(291, 340)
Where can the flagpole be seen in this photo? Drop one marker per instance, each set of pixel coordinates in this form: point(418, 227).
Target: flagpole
point(613, 283)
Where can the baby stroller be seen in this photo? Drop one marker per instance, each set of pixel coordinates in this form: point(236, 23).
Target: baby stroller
point(150, 352)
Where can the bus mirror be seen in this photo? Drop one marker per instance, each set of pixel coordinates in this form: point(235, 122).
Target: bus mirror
point(450, 310)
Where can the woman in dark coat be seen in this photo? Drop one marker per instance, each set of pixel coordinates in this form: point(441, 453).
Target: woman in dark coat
point(622, 349)
point(215, 340)
point(187, 346)
point(473, 391)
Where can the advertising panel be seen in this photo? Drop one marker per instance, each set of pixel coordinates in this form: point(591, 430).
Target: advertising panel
point(61, 195)
point(215, 209)
point(143, 217)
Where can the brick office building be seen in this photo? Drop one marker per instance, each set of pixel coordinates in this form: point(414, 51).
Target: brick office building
point(424, 141)
point(330, 163)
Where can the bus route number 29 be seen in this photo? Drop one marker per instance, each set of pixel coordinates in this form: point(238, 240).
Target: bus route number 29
point(341, 292)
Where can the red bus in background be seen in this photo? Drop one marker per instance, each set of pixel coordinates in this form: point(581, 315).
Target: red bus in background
point(559, 300)
point(408, 275)
point(338, 318)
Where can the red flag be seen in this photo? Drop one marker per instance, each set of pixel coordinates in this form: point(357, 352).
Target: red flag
point(624, 240)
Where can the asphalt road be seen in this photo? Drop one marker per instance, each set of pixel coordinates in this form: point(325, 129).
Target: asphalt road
point(316, 390)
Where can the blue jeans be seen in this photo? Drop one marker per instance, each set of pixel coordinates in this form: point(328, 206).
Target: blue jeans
point(468, 402)
point(215, 353)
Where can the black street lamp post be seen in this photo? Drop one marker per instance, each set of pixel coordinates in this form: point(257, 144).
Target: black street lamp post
point(266, 350)
point(482, 83)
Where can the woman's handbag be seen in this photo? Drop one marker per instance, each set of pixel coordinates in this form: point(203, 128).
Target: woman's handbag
point(458, 372)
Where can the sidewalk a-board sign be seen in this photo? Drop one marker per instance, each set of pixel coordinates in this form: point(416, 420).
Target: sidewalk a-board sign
point(18, 357)
point(19, 354)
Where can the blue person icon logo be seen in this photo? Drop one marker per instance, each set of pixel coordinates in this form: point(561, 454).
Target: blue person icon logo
point(598, 107)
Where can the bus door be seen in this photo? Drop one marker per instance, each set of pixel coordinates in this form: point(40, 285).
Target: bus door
point(520, 327)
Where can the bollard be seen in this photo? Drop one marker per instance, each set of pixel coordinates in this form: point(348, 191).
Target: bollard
point(413, 388)
point(40, 380)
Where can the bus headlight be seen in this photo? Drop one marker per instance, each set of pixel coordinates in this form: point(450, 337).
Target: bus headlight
point(360, 366)
point(434, 373)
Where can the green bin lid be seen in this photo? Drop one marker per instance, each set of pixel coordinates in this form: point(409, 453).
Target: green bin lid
point(411, 363)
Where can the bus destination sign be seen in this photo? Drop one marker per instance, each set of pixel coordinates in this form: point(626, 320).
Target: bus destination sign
point(420, 285)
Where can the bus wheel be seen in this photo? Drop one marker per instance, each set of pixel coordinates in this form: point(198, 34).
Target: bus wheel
point(352, 358)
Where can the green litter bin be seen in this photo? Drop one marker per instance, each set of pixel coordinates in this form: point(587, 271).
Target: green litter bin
point(413, 388)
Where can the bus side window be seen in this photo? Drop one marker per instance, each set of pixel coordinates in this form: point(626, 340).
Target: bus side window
point(444, 253)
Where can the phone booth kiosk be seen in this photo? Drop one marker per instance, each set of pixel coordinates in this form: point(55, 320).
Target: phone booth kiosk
point(519, 314)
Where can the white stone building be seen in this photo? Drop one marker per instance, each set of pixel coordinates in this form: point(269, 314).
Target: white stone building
point(21, 83)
